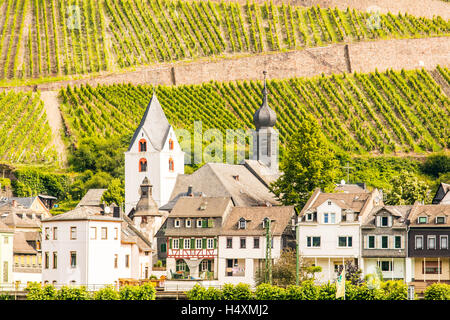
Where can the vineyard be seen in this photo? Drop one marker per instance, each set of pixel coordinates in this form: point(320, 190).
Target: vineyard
point(25, 135)
point(50, 38)
point(387, 112)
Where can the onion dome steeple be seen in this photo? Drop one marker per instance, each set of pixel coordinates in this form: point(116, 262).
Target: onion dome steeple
point(264, 117)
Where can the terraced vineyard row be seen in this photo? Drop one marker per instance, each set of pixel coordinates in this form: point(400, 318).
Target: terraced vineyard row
point(377, 112)
point(49, 38)
point(25, 136)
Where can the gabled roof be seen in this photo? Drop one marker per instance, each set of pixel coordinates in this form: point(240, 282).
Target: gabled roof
point(13, 220)
point(431, 211)
point(280, 217)
point(83, 213)
point(351, 188)
point(207, 207)
point(401, 212)
point(442, 194)
point(5, 228)
point(91, 198)
point(154, 123)
point(227, 180)
point(20, 244)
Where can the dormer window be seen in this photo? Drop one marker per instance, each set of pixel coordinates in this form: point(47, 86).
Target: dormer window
point(329, 218)
point(422, 220)
point(329, 203)
point(265, 222)
point(242, 223)
point(142, 145)
point(309, 217)
point(440, 220)
point(384, 221)
point(177, 223)
point(188, 223)
point(143, 165)
point(199, 223)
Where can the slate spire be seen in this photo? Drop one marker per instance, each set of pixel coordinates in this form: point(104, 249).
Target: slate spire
point(264, 117)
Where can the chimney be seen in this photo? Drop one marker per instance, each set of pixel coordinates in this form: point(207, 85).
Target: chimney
point(189, 192)
point(14, 203)
point(236, 177)
point(116, 212)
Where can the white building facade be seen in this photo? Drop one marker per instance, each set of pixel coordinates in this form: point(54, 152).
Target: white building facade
point(154, 152)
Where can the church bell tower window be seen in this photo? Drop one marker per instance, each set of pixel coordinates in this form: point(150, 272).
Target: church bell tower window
point(171, 165)
point(170, 144)
point(142, 165)
point(142, 145)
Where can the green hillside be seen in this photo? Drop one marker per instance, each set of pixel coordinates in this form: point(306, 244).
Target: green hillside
point(25, 136)
point(55, 39)
point(385, 112)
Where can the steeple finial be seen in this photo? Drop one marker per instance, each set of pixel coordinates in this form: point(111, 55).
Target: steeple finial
point(264, 116)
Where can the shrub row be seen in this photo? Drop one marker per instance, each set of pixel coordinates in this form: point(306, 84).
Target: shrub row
point(388, 290)
point(48, 292)
point(437, 291)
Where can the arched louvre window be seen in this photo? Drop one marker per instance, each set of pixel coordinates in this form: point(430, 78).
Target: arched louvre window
point(171, 165)
point(142, 165)
point(142, 145)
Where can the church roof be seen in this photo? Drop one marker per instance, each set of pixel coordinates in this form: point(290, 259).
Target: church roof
point(264, 116)
point(227, 180)
point(154, 123)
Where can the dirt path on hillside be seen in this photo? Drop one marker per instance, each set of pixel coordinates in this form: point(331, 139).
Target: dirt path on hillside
point(51, 105)
point(418, 8)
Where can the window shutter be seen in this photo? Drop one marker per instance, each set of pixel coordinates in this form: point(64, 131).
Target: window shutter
point(181, 243)
point(170, 244)
point(215, 243)
point(210, 223)
point(366, 241)
point(204, 243)
point(192, 243)
point(204, 223)
point(390, 221)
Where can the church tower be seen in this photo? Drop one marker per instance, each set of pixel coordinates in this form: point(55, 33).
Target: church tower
point(265, 137)
point(153, 153)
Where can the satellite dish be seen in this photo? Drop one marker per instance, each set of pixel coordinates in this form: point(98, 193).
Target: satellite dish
point(107, 210)
point(342, 181)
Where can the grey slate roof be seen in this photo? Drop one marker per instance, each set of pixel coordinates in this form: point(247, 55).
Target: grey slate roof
point(91, 198)
point(83, 213)
point(154, 123)
point(227, 180)
point(401, 212)
point(264, 116)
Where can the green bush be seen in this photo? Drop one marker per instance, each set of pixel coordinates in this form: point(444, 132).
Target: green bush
point(437, 291)
point(106, 293)
point(36, 292)
point(394, 290)
point(266, 291)
point(327, 292)
point(72, 293)
point(362, 292)
point(143, 292)
point(241, 291)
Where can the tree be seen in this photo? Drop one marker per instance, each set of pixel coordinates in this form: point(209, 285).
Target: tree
point(115, 193)
point(407, 189)
point(436, 165)
point(309, 163)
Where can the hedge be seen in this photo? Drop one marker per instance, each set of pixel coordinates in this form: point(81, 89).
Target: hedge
point(437, 291)
point(389, 290)
point(48, 292)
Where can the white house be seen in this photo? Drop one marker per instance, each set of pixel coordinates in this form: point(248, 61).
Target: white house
point(88, 246)
point(153, 153)
point(6, 256)
point(329, 229)
point(242, 242)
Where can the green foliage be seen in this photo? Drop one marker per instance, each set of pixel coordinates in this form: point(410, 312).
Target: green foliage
point(327, 292)
point(36, 292)
point(115, 193)
point(106, 293)
point(309, 164)
point(143, 292)
point(72, 293)
point(5, 183)
point(406, 189)
point(306, 291)
point(201, 293)
point(266, 291)
point(395, 290)
point(437, 291)
point(241, 291)
point(436, 165)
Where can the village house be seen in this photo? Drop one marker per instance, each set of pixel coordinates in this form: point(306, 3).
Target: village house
point(6, 257)
point(428, 247)
point(384, 241)
point(243, 245)
point(442, 195)
point(329, 229)
point(188, 239)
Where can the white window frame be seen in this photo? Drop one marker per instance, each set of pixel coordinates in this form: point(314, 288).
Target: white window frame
point(326, 218)
point(47, 233)
point(446, 243)
point(332, 218)
point(197, 242)
point(188, 241)
point(199, 223)
point(426, 220)
point(106, 233)
point(175, 243)
point(309, 217)
point(401, 242)
point(242, 223)
point(436, 220)
point(381, 222)
point(73, 233)
point(415, 243)
point(311, 242)
point(429, 238)
point(177, 223)
point(55, 233)
point(210, 243)
point(381, 242)
point(116, 233)
point(346, 242)
point(93, 236)
point(188, 223)
point(374, 242)
point(391, 265)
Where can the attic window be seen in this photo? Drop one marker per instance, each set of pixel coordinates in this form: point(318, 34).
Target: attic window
point(203, 205)
point(309, 217)
point(242, 223)
point(265, 221)
point(329, 203)
point(440, 220)
point(421, 220)
point(177, 223)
